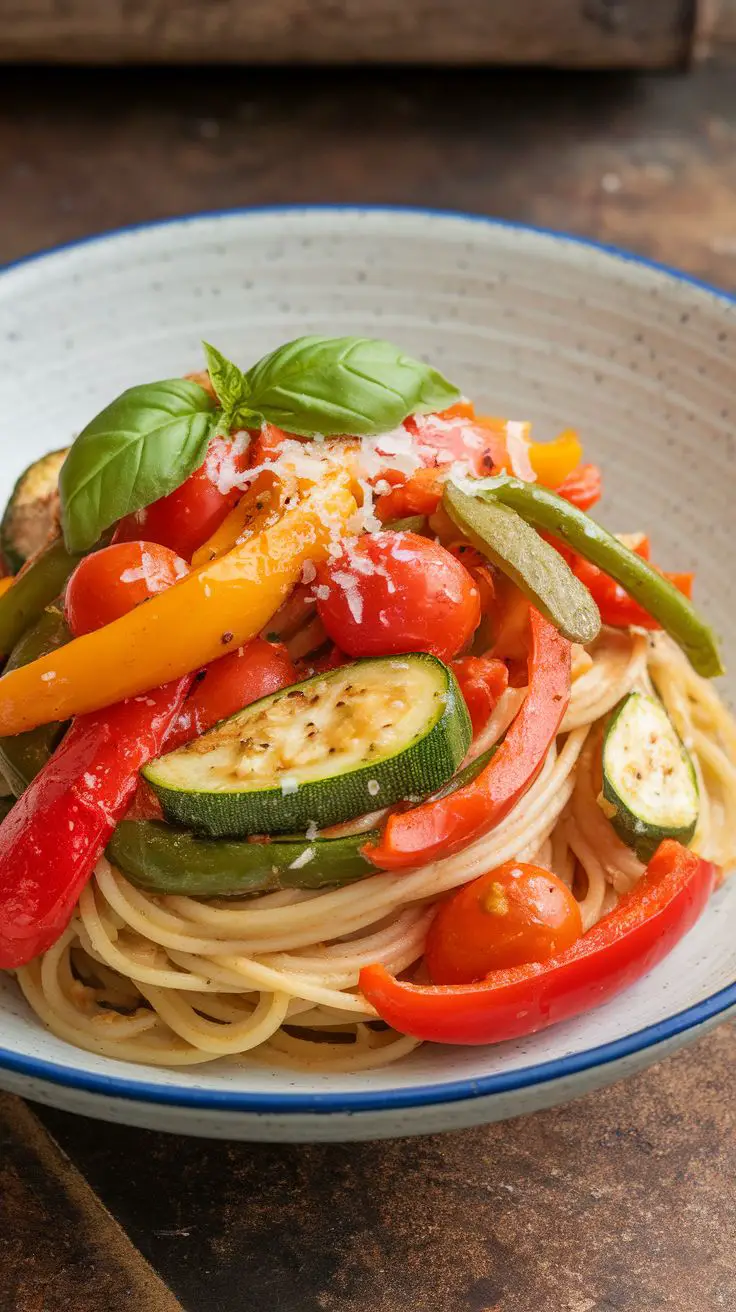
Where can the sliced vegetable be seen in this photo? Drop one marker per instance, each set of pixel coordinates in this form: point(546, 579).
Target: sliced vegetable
point(54, 834)
point(534, 566)
point(22, 756)
point(326, 750)
point(32, 511)
point(507, 1004)
point(388, 593)
point(658, 596)
point(650, 788)
point(583, 487)
point(555, 461)
point(164, 859)
point(192, 512)
point(411, 524)
point(616, 607)
point(111, 582)
point(482, 680)
point(512, 915)
point(439, 828)
point(182, 629)
point(229, 684)
point(38, 584)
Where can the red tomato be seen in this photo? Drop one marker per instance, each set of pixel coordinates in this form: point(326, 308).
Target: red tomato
point(229, 684)
point(515, 914)
point(397, 592)
point(113, 581)
point(187, 517)
point(482, 681)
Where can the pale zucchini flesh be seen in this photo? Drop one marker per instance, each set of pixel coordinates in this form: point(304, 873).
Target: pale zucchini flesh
point(329, 749)
point(650, 789)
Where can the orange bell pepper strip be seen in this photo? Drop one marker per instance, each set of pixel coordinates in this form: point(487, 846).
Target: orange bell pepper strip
point(5, 584)
point(213, 610)
point(448, 824)
point(257, 509)
point(507, 1004)
point(552, 462)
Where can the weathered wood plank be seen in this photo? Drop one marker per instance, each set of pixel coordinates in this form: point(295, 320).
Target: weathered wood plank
point(59, 1247)
point(574, 33)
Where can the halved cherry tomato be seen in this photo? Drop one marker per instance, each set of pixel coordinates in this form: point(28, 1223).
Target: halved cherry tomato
point(189, 515)
point(227, 685)
point(111, 582)
point(515, 914)
point(482, 681)
point(397, 592)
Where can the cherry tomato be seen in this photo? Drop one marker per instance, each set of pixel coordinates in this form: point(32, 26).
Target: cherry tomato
point(515, 914)
point(188, 516)
point(229, 684)
point(482, 681)
point(397, 592)
point(113, 581)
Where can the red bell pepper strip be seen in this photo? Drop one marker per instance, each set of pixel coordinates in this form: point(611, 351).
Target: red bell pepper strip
point(582, 487)
point(507, 1004)
point(51, 839)
point(439, 828)
point(482, 681)
point(617, 608)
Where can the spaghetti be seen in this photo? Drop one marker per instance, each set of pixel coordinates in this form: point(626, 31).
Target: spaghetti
point(177, 981)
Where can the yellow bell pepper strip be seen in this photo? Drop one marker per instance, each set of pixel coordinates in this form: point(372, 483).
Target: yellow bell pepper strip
point(257, 509)
point(207, 614)
point(552, 462)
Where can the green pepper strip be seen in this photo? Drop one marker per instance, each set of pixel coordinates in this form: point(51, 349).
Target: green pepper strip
point(515, 548)
point(22, 756)
point(660, 598)
point(163, 859)
point(38, 584)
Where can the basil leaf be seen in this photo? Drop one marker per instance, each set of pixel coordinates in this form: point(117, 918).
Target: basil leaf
point(232, 389)
point(353, 385)
point(139, 448)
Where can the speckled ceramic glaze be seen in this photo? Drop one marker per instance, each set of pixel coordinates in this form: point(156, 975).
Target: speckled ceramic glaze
point(532, 325)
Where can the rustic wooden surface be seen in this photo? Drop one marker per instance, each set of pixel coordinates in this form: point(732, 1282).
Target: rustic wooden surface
point(582, 33)
point(622, 1202)
point(59, 1248)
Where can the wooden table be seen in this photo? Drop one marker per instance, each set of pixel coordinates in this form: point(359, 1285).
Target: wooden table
point(622, 1202)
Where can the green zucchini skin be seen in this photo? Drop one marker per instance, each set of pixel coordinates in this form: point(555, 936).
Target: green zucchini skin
point(642, 753)
point(340, 791)
point(162, 859)
point(30, 513)
point(25, 754)
point(39, 584)
point(516, 549)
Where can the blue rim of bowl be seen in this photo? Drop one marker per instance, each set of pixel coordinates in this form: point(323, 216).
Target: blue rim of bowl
point(421, 1095)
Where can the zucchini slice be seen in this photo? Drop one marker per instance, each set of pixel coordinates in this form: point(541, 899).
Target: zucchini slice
point(25, 754)
point(164, 859)
point(32, 510)
point(326, 750)
point(650, 790)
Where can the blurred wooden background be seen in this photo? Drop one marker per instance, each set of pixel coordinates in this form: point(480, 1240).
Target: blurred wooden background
point(564, 33)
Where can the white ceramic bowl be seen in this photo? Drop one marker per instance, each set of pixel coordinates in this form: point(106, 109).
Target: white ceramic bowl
point(531, 324)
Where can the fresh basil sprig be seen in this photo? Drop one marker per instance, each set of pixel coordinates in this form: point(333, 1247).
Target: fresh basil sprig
point(139, 448)
point(329, 385)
